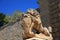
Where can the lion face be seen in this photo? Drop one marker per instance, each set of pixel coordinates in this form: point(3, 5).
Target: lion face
point(26, 26)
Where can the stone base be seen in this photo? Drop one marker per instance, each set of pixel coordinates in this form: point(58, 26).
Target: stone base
point(40, 37)
point(36, 39)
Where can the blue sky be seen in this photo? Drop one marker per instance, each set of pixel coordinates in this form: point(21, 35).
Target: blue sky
point(9, 6)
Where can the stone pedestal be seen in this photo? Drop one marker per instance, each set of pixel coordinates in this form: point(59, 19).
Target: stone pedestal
point(36, 39)
point(41, 37)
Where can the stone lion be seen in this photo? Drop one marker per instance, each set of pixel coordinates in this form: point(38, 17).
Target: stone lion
point(36, 22)
point(30, 21)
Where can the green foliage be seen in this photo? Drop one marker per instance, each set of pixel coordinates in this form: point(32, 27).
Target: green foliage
point(2, 16)
point(4, 19)
point(7, 19)
point(17, 15)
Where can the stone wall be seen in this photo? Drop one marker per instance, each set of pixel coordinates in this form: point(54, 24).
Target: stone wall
point(11, 31)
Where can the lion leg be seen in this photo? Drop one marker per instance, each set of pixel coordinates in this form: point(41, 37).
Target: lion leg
point(30, 29)
point(46, 32)
point(30, 33)
point(38, 28)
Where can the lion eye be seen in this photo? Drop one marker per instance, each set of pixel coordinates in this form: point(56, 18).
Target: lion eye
point(25, 16)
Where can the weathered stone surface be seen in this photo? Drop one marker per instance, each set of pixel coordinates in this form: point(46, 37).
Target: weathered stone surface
point(11, 32)
point(36, 39)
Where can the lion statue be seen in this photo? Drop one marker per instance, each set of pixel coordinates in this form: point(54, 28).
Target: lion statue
point(31, 20)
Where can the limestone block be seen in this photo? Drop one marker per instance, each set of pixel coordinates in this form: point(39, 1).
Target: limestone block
point(36, 39)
